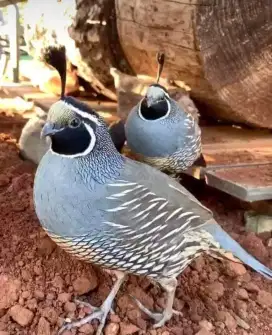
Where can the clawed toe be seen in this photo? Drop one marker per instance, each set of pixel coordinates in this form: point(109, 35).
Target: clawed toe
point(160, 318)
point(98, 314)
point(155, 316)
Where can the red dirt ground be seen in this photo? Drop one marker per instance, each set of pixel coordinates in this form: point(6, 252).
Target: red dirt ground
point(38, 280)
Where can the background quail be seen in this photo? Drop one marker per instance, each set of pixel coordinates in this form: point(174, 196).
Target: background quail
point(118, 213)
point(161, 133)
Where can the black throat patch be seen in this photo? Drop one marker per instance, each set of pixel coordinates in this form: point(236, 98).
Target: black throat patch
point(71, 141)
point(155, 111)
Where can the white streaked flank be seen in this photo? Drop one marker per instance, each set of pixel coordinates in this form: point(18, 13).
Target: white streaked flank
point(145, 210)
point(174, 213)
point(112, 224)
point(163, 205)
point(122, 184)
point(153, 220)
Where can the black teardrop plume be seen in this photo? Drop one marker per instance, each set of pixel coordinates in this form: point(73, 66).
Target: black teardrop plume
point(56, 57)
point(160, 60)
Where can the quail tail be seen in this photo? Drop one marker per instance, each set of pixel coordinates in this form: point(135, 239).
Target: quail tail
point(228, 244)
point(99, 313)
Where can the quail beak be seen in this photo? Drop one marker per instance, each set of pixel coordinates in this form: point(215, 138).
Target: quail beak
point(49, 129)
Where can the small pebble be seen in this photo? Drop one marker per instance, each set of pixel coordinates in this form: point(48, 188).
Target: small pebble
point(83, 285)
point(21, 315)
point(87, 329)
point(264, 298)
point(39, 295)
point(112, 329)
point(43, 327)
point(64, 297)
point(242, 294)
point(206, 324)
point(70, 307)
point(128, 328)
point(203, 331)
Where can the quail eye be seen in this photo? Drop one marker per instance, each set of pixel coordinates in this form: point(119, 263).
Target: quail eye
point(75, 123)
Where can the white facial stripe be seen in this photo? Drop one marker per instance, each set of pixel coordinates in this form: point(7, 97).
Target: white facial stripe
point(83, 114)
point(85, 152)
point(165, 93)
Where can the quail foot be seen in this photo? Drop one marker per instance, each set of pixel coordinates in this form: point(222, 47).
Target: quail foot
point(161, 133)
point(118, 213)
point(98, 313)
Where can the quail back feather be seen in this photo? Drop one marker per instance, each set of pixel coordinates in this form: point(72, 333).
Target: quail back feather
point(123, 215)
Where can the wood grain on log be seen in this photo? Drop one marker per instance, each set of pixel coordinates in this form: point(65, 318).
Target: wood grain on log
point(95, 34)
point(222, 49)
point(235, 40)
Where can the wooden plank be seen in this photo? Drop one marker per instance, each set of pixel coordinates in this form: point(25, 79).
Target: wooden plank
point(30, 93)
point(229, 136)
point(250, 156)
point(24, 90)
point(233, 146)
point(251, 183)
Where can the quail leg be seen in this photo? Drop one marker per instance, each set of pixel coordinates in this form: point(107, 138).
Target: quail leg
point(170, 286)
point(102, 312)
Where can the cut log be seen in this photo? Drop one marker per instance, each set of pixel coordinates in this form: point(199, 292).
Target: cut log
point(221, 49)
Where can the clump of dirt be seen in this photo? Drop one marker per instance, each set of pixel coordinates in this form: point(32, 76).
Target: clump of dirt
point(39, 281)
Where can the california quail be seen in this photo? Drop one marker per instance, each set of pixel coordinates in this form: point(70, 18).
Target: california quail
point(161, 133)
point(118, 213)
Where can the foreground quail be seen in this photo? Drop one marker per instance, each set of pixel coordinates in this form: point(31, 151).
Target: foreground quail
point(118, 213)
point(161, 133)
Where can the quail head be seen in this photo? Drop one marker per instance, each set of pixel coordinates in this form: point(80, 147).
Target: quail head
point(120, 214)
point(161, 133)
point(56, 57)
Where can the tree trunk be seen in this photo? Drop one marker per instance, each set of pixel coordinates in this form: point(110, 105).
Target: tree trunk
point(221, 49)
